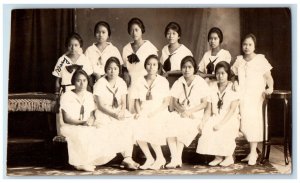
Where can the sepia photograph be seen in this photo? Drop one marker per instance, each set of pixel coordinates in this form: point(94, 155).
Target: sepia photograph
point(150, 91)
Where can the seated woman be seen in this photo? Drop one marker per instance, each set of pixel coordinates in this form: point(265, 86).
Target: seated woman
point(189, 94)
point(220, 122)
point(111, 114)
point(88, 146)
point(151, 104)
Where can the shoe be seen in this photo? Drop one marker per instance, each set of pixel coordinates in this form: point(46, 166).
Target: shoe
point(129, 165)
point(174, 164)
point(216, 161)
point(252, 159)
point(227, 161)
point(158, 164)
point(87, 168)
point(246, 159)
point(147, 164)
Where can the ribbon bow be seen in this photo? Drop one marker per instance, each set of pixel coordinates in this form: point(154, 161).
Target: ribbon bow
point(133, 58)
point(167, 64)
point(186, 100)
point(115, 101)
point(71, 68)
point(211, 66)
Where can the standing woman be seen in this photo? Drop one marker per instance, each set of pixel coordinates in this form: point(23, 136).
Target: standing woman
point(134, 55)
point(174, 51)
point(215, 54)
point(189, 94)
point(99, 52)
point(220, 121)
point(254, 74)
point(151, 104)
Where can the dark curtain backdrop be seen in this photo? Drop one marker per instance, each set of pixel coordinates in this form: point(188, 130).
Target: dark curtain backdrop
point(272, 28)
point(37, 40)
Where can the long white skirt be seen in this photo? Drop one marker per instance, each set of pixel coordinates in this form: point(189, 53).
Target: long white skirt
point(184, 129)
point(220, 142)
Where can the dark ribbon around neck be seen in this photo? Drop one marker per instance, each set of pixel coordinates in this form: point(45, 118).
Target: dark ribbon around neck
point(133, 58)
point(211, 66)
point(220, 102)
point(81, 116)
point(115, 101)
point(167, 64)
point(71, 68)
point(186, 100)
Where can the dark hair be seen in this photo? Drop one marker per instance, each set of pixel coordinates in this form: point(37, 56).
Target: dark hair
point(226, 66)
point(76, 36)
point(153, 57)
point(252, 36)
point(77, 73)
point(104, 24)
point(112, 60)
point(174, 26)
point(217, 31)
point(189, 59)
point(137, 21)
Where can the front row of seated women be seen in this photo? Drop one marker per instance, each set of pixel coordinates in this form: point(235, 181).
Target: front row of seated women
point(97, 126)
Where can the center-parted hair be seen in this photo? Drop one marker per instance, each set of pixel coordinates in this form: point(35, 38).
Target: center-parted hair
point(104, 24)
point(77, 73)
point(217, 31)
point(174, 26)
point(138, 22)
point(252, 36)
point(189, 59)
point(112, 60)
point(226, 66)
point(153, 57)
point(76, 36)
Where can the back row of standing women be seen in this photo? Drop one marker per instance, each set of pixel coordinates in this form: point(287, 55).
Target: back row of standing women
point(148, 98)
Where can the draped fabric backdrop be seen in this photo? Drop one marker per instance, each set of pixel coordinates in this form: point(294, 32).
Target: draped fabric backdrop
point(37, 40)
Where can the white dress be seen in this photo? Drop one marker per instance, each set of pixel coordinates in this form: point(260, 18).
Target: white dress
point(98, 59)
point(222, 55)
point(185, 129)
point(61, 71)
point(176, 57)
point(121, 130)
point(252, 86)
point(137, 70)
point(152, 130)
point(222, 141)
point(87, 145)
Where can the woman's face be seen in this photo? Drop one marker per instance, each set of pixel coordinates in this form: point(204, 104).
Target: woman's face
point(248, 46)
point(101, 34)
point(221, 75)
point(81, 83)
point(74, 46)
point(214, 40)
point(152, 66)
point(136, 32)
point(172, 36)
point(112, 70)
point(188, 69)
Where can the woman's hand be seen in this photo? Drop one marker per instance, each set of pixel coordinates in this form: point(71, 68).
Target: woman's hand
point(269, 91)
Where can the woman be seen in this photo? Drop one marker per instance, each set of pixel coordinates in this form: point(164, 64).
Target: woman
point(110, 96)
point(134, 55)
point(220, 122)
point(189, 94)
point(215, 54)
point(99, 52)
point(254, 73)
point(173, 52)
point(151, 104)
